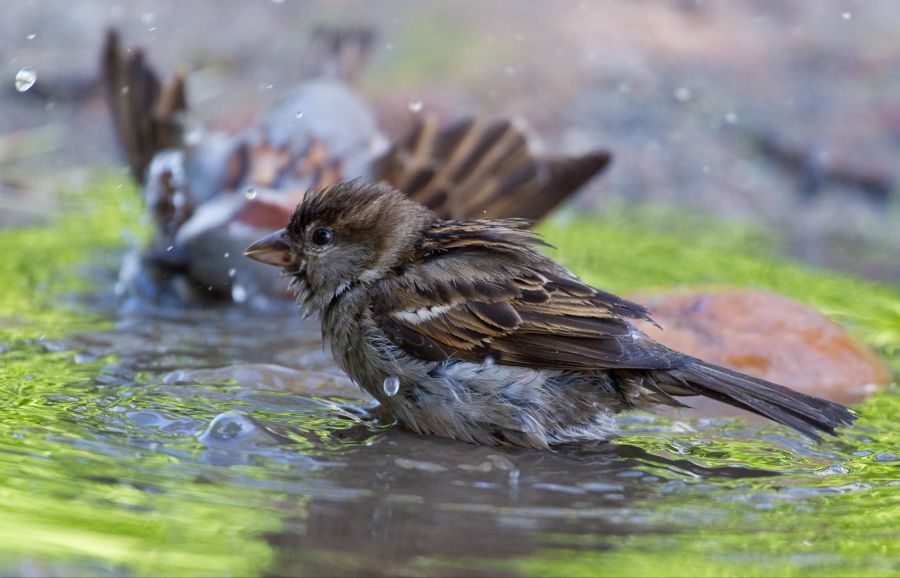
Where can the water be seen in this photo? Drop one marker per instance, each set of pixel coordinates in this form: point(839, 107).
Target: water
point(25, 79)
point(225, 442)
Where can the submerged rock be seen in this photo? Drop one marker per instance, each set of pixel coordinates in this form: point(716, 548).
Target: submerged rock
point(768, 336)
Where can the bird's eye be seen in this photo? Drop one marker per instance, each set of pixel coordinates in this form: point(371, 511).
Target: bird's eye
point(322, 236)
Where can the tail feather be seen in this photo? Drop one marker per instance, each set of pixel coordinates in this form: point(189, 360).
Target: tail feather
point(482, 169)
point(808, 415)
point(146, 113)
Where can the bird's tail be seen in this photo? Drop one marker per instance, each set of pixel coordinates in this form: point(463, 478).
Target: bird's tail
point(481, 169)
point(147, 114)
point(808, 415)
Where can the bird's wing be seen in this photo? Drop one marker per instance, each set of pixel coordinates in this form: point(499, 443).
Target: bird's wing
point(473, 305)
point(480, 169)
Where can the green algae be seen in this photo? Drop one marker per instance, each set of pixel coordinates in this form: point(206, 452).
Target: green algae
point(85, 491)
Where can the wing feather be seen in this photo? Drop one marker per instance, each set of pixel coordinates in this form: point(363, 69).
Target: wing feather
point(465, 303)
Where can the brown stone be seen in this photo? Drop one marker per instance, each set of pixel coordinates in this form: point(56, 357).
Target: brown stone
point(768, 336)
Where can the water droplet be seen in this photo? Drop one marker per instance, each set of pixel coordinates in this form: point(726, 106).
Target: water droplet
point(125, 90)
point(31, 36)
point(731, 118)
point(226, 254)
point(148, 17)
point(511, 70)
point(277, 1)
point(250, 193)
point(298, 115)
point(169, 248)
point(488, 361)
point(682, 94)
point(238, 293)
point(25, 79)
point(415, 105)
point(391, 385)
point(194, 136)
point(846, 15)
point(232, 272)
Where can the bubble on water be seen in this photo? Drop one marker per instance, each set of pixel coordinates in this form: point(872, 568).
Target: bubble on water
point(846, 15)
point(229, 429)
point(31, 36)
point(250, 193)
point(232, 272)
point(391, 385)
point(682, 94)
point(298, 115)
point(25, 79)
point(226, 254)
point(731, 118)
point(415, 105)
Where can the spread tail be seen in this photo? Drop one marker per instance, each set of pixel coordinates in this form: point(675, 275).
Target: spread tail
point(479, 169)
point(808, 415)
point(147, 114)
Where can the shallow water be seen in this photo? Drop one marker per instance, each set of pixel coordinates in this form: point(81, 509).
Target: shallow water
point(172, 444)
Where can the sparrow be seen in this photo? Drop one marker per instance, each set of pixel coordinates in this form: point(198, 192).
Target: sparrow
point(462, 328)
point(209, 194)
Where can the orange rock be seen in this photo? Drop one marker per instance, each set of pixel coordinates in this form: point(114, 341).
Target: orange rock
point(769, 336)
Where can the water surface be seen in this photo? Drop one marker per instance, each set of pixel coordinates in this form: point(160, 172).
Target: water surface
point(177, 444)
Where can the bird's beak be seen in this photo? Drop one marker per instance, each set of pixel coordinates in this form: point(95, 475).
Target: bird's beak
point(271, 250)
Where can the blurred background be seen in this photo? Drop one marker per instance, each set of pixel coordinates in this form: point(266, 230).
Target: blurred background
point(770, 112)
point(774, 113)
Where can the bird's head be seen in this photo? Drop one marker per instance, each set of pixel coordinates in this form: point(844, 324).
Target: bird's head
point(342, 236)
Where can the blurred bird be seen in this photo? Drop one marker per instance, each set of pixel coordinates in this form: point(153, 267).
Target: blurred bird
point(210, 194)
point(463, 329)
